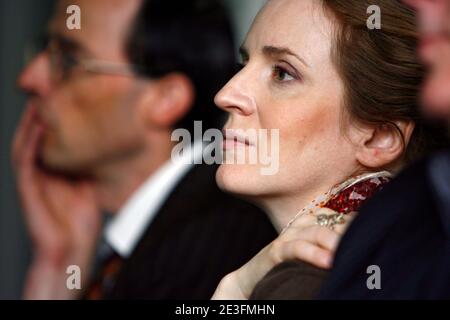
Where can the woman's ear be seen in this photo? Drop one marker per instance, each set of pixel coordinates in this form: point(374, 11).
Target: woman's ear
point(167, 100)
point(382, 145)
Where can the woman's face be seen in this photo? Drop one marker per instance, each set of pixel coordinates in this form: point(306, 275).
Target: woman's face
point(288, 82)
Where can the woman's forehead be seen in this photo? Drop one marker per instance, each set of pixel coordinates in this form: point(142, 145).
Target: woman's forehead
point(300, 25)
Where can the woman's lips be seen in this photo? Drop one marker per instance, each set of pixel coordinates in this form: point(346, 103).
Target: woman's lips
point(233, 139)
point(233, 144)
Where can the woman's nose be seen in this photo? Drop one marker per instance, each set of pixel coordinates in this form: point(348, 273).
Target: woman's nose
point(237, 96)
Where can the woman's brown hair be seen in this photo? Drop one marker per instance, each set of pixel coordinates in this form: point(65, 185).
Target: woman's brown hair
point(381, 71)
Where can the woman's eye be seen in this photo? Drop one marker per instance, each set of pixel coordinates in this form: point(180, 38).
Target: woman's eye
point(281, 74)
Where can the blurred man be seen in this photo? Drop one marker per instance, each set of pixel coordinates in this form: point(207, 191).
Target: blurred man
point(96, 137)
point(399, 246)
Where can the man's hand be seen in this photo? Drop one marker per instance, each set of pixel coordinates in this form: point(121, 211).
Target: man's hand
point(61, 215)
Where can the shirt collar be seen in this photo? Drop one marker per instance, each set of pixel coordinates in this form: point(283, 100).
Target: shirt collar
point(125, 230)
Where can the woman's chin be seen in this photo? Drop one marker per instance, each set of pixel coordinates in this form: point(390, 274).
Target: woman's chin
point(243, 180)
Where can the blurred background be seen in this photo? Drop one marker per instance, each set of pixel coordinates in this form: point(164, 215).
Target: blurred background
point(21, 21)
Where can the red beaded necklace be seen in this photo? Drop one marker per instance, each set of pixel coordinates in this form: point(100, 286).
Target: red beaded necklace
point(348, 196)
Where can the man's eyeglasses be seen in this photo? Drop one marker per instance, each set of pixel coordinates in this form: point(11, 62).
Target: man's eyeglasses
point(64, 63)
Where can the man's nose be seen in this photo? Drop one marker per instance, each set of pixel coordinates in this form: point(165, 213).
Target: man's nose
point(35, 78)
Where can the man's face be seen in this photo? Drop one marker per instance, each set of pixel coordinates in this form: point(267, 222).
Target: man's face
point(434, 49)
point(89, 118)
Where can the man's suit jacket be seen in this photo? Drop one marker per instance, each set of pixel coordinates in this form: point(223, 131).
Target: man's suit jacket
point(405, 231)
point(198, 236)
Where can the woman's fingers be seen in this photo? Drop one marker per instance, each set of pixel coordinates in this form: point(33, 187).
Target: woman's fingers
point(322, 237)
point(305, 221)
point(314, 244)
point(306, 240)
point(325, 211)
point(309, 220)
point(348, 221)
point(308, 252)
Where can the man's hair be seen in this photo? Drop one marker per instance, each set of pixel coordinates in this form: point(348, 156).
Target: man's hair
point(191, 37)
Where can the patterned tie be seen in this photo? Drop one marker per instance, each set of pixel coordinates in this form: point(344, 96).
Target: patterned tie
point(107, 268)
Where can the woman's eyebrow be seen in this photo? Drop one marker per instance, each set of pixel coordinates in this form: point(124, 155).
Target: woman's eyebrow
point(271, 51)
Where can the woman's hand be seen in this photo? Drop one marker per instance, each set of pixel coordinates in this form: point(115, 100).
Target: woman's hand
point(303, 240)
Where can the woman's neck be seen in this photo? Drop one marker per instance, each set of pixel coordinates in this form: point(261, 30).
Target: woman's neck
point(282, 209)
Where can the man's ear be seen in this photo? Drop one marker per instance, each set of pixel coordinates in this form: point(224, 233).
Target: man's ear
point(167, 100)
point(382, 145)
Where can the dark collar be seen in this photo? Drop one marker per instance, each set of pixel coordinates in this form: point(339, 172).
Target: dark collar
point(439, 173)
